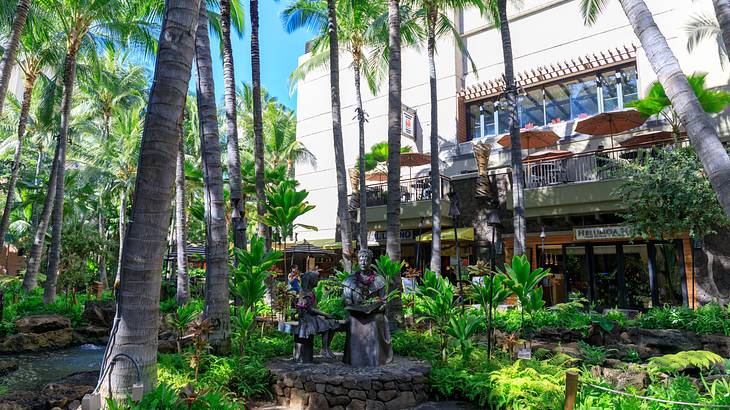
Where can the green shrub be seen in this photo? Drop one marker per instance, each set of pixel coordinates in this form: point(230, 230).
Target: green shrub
point(707, 319)
point(530, 384)
point(592, 355)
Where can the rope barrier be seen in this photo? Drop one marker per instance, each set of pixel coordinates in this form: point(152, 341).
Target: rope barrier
point(681, 403)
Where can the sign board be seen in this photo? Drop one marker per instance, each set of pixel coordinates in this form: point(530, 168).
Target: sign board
point(408, 123)
point(524, 354)
point(381, 236)
point(602, 232)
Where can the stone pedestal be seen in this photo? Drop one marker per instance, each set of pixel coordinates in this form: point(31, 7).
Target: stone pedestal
point(334, 385)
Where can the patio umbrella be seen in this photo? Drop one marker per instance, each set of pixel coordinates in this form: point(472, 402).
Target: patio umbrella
point(377, 176)
point(610, 123)
point(532, 138)
point(648, 138)
point(548, 154)
point(414, 159)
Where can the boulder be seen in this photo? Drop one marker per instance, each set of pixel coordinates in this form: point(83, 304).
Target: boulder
point(91, 334)
point(99, 313)
point(633, 376)
point(663, 341)
point(557, 334)
point(34, 342)
point(7, 366)
point(42, 323)
point(64, 394)
point(719, 344)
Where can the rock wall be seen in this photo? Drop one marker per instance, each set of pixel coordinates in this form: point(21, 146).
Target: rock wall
point(712, 268)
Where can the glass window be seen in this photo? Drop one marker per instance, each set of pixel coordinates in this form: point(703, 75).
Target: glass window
point(583, 98)
point(488, 117)
point(609, 89)
point(502, 117)
point(629, 85)
point(474, 121)
point(557, 103)
point(531, 109)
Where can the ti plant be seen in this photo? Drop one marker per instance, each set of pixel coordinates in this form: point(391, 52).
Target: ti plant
point(489, 293)
point(389, 269)
point(525, 284)
point(248, 279)
point(199, 331)
point(242, 322)
point(180, 320)
point(437, 294)
point(462, 327)
point(6, 282)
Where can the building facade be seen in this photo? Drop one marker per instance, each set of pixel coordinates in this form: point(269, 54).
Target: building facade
point(566, 73)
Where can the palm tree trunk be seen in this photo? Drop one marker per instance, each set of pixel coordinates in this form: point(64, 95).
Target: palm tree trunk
point(30, 280)
point(435, 172)
point(22, 123)
point(11, 47)
point(233, 157)
point(700, 128)
point(102, 235)
point(258, 126)
point(217, 309)
point(122, 228)
point(137, 321)
point(356, 66)
point(518, 180)
point(392, 246)
point(182, 295)
point(36, 181)
point(343, 212)
point(722, 11)
point(54, 255)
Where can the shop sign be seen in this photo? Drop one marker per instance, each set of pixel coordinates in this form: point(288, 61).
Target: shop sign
point(380, 236)
point(408, 123)
point(602, 232)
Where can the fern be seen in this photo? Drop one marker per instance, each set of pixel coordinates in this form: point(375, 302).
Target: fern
point(674, 363)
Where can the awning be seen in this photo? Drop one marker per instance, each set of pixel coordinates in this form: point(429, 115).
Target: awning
point(447, 234)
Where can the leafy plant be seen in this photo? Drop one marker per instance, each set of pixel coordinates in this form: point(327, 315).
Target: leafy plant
point(389, 269)
point(674, 363)
point(438, 304)
point(242, 322)
point(462, 328)
point(488, 294)
point(180, 320)
point(592, 355)
point(524, 283)
point(248, 279)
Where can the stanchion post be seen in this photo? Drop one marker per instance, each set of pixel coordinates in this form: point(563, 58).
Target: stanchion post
point(571, 390)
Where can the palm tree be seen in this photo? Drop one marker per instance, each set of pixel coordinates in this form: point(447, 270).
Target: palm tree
point(722, 11)
point(37, 51)
point(182, 295)
point(135, 332)
point(355, 22)
point(280, 139)
point(701, 27)
point(11, 47)
point(518, 181)
point(700, 128)
point(233, 158)
point(432, 14)
point(258, 127)
point(392, 245)
point(216, 238)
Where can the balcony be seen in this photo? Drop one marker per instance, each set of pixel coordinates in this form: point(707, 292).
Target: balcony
point(412, 190)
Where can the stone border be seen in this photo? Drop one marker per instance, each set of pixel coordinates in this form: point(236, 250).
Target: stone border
point(334, 385)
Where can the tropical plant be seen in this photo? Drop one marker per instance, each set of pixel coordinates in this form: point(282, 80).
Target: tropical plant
point(722, 11)
point(703, 27)
point(248, 279)
point(11, 47)
point(6, 282)
point(674, 363)
point(180, 320)
point(462, 328)
point(490, 291)
point(258, 140)
point(388, 269)
point(242, 322)
point(657, 103)
point(592, 355)
point(524, 283)
point(438, 305)
point(145, 244)
point(699, 126)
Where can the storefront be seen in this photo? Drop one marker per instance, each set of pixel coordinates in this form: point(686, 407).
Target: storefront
point(610, 269)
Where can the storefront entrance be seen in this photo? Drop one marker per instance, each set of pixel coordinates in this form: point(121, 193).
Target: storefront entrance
point(624, 275)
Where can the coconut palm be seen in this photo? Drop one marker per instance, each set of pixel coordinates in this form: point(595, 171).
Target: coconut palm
point(355, 35)
point(700, 127)
point(11, 47)
point(280, 139)
point(216, 233)
point(722, 11)
point(182, 294)
point(38, 51)
point(258, 126)
point(135, 332)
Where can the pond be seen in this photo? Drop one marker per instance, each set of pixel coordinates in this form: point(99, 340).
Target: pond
point(37, 369)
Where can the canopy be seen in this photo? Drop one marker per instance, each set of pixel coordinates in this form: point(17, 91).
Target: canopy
point(610, 123)
point(532, 138)
point(648, 138)
point(548, 154)
point(447, 234)
point(414, 159)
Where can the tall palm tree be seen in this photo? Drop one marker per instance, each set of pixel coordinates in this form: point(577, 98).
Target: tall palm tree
point(280, 139)
point(702, 27)
point(11, 47)
point(217, 309)
point(258, 127)
point(137, 320)
point(722, 11)
point(37, 51)
point(355, 35)
point(432, 14)
point(86, 23)
point(182, 294)
point(518, 181)
point(700, 128)
point(392, 245)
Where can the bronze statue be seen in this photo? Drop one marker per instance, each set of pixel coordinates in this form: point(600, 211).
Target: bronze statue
point(311, 320)
point(367, 343)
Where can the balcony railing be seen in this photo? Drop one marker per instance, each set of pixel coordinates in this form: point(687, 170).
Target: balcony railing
point(584, 167)
point(411, 190)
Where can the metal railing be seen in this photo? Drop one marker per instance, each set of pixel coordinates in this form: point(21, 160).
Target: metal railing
point(411, 190)
point(584, 167)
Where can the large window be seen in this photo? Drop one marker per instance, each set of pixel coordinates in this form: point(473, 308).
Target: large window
point(571, 99)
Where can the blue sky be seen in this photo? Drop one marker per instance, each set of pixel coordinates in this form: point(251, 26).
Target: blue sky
point(279, 53)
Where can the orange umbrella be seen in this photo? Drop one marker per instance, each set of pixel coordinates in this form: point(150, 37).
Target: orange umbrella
point(377, 176)
point(649, 138)
point(548, 154)
point(532, 138)
point(414, 159)
point(610, 123)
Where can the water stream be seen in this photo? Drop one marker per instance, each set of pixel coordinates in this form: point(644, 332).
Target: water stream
point(37, 369)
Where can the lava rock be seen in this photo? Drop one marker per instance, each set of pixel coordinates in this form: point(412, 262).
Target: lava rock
point(99, 313)
point(34, 342)
point(7, 366)
point(42, 323)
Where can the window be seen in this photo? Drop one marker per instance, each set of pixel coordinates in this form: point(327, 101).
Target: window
point(571, 99)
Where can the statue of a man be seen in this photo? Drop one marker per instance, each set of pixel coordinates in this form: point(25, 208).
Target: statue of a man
point(368, 335)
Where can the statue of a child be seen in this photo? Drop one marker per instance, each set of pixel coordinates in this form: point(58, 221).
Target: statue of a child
point(311, 320)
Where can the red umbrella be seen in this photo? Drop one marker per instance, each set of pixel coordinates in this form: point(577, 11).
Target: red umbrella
point(414, 159)
point(610, 123)
point(532, 138)
point(649, 138)
point(548, 154)
point(377, 176)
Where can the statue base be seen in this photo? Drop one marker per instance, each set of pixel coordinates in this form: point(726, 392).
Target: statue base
point(329, 384)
